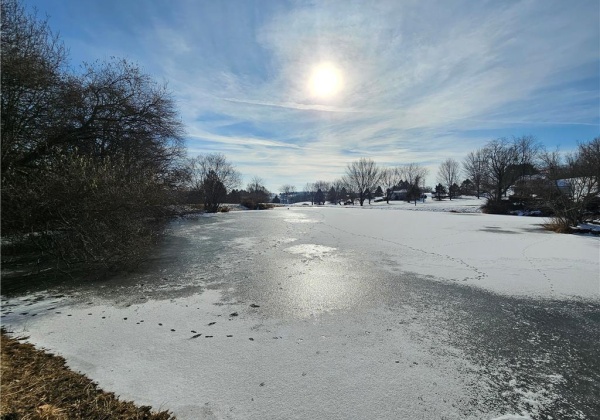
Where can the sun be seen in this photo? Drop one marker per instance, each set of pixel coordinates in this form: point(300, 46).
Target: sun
point(325, 80)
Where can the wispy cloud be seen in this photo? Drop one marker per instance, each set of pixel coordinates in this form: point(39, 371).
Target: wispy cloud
point(291, 105)
point(245, 141)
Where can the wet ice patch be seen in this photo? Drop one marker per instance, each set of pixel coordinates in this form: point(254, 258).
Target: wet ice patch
point(311, 250)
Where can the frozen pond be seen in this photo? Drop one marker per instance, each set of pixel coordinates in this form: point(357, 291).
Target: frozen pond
point(340, 313)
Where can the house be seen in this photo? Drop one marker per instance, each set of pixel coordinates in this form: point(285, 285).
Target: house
point(399, 194)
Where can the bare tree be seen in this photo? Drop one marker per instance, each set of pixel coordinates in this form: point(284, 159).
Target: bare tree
point(256, 184)
point(320, 188)
point(527, 150)
point(258, 194)
point(527, 153)
point(589, 156)
point(310, 191)
point(390, 178)
point(573, 185)
point(32, 88)
point(500, 156)
point(414, 175)
point(212, 177)
point(362, 175)
point(287, 190)
point(335, 191)
point(474, 167)
point(448, 174)
point(89, 159)
point(321, 185)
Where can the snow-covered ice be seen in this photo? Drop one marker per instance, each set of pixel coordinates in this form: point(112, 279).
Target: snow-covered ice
point(336, 313)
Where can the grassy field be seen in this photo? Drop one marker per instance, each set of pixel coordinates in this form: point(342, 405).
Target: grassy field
point(39, 385)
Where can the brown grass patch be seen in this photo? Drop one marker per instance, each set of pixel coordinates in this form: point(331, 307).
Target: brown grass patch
point(557, 225)
point(39, 385)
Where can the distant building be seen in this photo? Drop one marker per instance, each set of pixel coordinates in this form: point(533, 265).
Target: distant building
point(399, 195)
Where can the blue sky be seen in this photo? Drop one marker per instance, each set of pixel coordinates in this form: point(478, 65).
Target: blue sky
point(421, 80)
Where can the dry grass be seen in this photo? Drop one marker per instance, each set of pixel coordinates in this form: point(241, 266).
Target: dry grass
point(38, 385)
point(557, 225)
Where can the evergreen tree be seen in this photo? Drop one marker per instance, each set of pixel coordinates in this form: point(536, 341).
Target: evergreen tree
point(467, 187)
point(319, 197)
point(454, 190)
point(439, 191)
point(332, 196)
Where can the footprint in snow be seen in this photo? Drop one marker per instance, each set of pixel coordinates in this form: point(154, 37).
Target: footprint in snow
point(195, 336)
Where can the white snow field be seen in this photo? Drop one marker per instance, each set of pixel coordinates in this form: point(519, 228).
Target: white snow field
point(503, 254)
point(322, 313)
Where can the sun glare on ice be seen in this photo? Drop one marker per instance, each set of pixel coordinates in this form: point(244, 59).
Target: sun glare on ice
point(325, 80)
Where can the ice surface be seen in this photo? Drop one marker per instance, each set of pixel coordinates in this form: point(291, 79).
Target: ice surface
point(338, 329)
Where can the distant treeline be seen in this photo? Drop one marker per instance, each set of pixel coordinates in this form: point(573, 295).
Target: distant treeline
point(512, 174)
